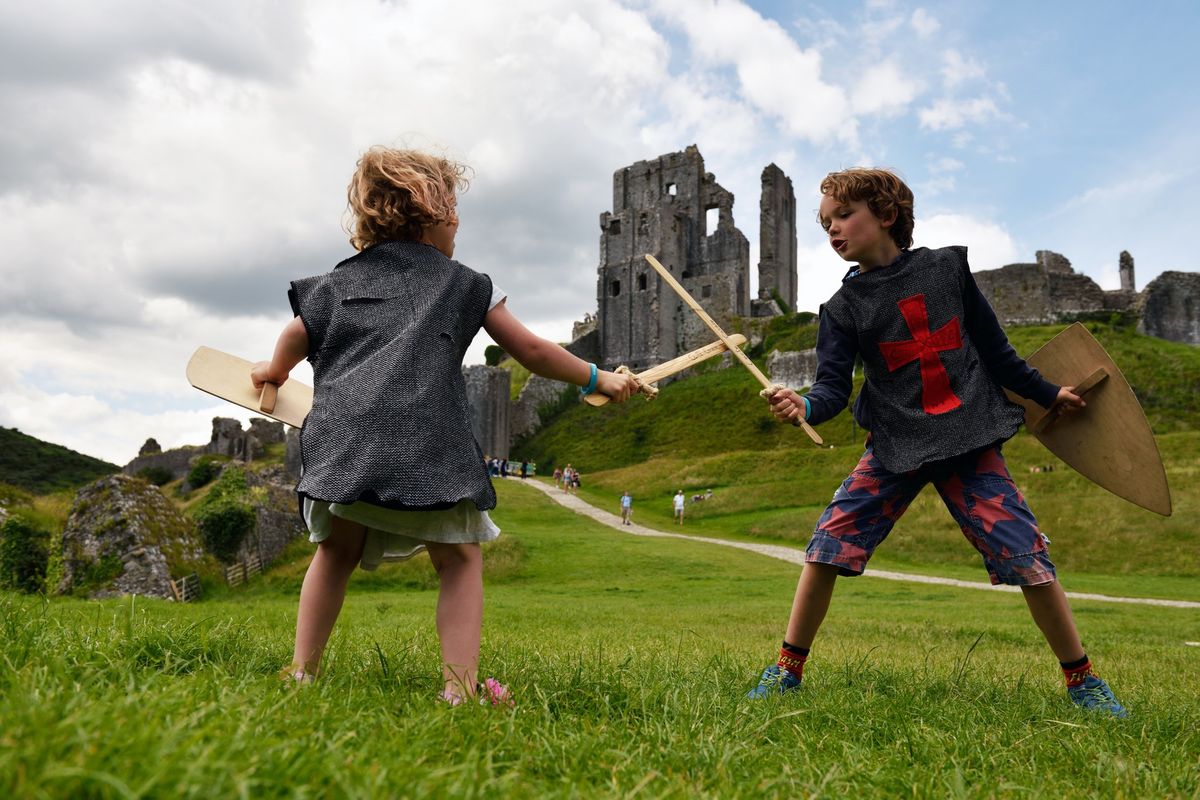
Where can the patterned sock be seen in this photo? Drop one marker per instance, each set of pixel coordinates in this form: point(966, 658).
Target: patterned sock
point(792, 659)
point(1076, 671)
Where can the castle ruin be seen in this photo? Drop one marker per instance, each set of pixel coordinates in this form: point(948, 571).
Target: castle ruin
point(673, 209)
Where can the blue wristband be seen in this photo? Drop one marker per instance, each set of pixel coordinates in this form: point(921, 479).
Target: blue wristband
point(591, 386)
point(807, 407)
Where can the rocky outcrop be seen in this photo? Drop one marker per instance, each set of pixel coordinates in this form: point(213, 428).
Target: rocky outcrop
point(1170, 307)
point(537, 393)
point(277, 520)
point(124, 537)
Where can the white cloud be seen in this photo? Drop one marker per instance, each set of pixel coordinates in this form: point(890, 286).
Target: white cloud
point(990, 245)
point(949, 114)
point(774, 74)
point(884, 89)
point(957, 69)
point(924, 23)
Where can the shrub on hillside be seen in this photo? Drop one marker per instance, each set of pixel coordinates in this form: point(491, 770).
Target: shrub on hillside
point(226, 515)
point(24, 553)
point(156, 475)
point(203, 471)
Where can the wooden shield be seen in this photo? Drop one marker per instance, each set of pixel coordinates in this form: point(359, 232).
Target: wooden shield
point(1109, 441)
point(228, 377)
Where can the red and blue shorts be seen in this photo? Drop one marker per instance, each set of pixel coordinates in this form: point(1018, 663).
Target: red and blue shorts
point(977, 489)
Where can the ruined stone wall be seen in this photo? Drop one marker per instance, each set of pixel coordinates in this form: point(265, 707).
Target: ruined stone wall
point(777, 237)
point(488, 398)
point(1041, 293)
point(536, 393)
point(1018, 293)
point(794, 369)
point(660, 206)
point(1170, 307)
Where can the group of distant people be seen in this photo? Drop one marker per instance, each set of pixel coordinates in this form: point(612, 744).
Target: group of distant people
point(503, 468)
point(567, 479)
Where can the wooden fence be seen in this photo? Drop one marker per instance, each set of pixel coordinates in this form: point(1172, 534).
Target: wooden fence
point(240, 572)
point(187, 588)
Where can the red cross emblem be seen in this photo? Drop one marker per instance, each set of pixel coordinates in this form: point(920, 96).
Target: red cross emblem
point(936, 395)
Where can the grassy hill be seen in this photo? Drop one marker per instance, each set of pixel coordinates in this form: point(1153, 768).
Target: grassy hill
point(42, 467)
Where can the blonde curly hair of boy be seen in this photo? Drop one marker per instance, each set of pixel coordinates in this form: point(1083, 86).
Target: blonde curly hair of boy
point(394, 194)
point(882, 191)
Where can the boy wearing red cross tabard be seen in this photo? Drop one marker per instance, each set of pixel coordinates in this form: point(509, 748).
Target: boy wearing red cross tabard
point(935, 360)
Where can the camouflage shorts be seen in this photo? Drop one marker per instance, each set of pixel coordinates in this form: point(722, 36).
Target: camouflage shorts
point(977, 489)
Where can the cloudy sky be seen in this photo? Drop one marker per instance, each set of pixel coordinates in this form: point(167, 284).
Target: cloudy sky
point(167, 166)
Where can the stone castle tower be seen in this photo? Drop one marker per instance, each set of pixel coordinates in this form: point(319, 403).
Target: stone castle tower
point(674, 210)
point(777, 238)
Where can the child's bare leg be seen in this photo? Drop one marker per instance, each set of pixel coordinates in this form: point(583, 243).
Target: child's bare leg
point(1048, 604)
point(813, 593)
point(459, 612)
point(324, 589)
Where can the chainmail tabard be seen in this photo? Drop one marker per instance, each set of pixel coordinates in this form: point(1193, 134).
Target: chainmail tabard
point(930, 395)
point(387, 330)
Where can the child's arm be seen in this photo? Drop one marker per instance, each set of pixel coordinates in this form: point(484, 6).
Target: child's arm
point(830, 392)
point(290, 350)
point(999, 356)
point(545, 358)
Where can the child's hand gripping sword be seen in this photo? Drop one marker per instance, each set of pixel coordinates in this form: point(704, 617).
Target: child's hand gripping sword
point(645, 380)
point(724, 337)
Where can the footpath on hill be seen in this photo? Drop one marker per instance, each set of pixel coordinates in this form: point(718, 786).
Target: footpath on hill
point(796, 556)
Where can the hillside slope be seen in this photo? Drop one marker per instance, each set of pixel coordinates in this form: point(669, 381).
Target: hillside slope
point(43, 467)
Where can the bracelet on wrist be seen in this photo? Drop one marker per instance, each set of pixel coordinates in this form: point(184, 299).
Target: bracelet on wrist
point(591, 384)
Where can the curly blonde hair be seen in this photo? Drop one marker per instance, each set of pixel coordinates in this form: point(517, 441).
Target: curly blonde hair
point(882, 191)
point(394, 194)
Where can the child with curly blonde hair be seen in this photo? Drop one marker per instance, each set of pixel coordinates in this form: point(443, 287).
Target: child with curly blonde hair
point(389, 464)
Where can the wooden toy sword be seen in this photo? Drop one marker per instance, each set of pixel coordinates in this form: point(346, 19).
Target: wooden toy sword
point(724, 337)
point(645, 380)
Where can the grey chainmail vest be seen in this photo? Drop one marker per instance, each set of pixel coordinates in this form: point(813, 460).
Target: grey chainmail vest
point(930, 395)
point(389, 425)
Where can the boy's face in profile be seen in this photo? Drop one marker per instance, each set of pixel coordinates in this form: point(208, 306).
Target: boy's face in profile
point(855, 233)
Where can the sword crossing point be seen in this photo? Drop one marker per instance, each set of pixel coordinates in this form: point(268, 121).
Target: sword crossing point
point(716, 329)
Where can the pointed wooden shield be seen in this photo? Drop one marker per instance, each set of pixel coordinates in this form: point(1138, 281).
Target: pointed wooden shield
point(228, 377)
point(1109, 441)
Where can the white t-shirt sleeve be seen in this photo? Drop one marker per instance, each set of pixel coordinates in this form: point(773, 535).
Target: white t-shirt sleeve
point(498, 296)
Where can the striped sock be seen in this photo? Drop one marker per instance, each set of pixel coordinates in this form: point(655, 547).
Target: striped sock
point(792, 659)
point(1076, 671)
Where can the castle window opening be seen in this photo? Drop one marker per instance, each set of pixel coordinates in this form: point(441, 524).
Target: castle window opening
point(616, 288)
point(614, 227)
point(671, 190)
point(712, 217)
point(706, 291)
point(642, 282)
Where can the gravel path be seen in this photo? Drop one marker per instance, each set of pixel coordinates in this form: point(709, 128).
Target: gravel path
point(794, 556)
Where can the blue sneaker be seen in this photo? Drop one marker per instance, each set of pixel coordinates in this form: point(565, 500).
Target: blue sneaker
point(775, 680)
point(1094, 695)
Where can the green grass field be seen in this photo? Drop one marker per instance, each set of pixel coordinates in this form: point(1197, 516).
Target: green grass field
point(628, 657)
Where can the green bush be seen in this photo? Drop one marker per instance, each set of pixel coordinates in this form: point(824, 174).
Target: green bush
point(493, 354)
point(203, 471)
point(226, 515)
point(24, 553)
point(156, 475)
